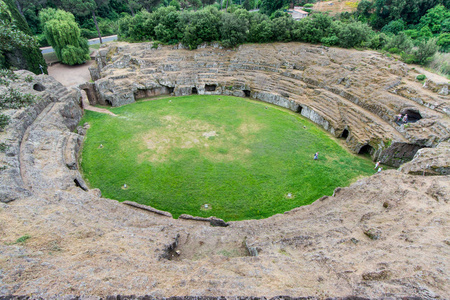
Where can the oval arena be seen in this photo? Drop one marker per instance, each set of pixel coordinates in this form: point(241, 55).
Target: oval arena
point(383, 236)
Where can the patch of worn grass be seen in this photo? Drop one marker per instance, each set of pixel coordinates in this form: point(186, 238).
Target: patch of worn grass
point(20, 240)
point(239, 157)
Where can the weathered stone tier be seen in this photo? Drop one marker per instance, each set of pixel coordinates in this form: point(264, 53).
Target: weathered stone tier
point(385, 236)
point(352, 94)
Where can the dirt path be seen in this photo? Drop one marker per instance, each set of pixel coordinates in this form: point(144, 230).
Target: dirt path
point(73, 76)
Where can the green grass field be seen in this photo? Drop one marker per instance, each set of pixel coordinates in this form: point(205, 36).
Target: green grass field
point(245, 159)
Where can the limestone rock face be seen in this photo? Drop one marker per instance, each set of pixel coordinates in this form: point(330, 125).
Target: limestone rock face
point(23, 135)
point(352, 94)
point(383, 236)
point(430, 161)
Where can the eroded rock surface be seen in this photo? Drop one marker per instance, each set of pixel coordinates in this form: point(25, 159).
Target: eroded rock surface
point(59, 239)
point(354, 95)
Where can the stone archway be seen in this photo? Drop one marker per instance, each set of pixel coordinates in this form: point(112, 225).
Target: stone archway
point(366, 149)
point(91, 95)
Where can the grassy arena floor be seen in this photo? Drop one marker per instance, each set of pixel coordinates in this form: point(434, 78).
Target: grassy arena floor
point(245, 159)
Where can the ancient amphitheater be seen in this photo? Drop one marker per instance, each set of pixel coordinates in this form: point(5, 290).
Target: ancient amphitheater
point(385, 236)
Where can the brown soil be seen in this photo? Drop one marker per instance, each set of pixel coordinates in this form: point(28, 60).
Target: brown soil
point(336, 6)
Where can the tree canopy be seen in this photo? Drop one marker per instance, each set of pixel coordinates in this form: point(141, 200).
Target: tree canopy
point(63, 33)
point(16, 41)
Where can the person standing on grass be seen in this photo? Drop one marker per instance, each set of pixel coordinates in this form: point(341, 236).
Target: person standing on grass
point(377, 164)
point(316, 156)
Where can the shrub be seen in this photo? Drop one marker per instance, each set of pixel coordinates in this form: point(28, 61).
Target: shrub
point(421, 77)
point(425, 51)
point(4, 120)
point(3, 147)
point(401, 42)
point(330, 41)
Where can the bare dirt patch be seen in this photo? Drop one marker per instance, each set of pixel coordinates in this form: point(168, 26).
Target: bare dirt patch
point(211, 141)
point(336, 6)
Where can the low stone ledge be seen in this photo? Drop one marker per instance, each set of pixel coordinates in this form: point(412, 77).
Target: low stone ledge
point(213, 221)
point(148, 208)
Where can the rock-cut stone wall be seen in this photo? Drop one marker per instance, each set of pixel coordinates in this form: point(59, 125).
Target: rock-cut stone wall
point(385, 236)
point(352, 94)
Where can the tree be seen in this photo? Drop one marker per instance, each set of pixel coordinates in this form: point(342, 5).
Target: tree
point(269, 6)
point(202, 26)
point(233, 30)
point(17, 47)
point(354, 34)
point(260, 28)
point(437, 19)
point(63, 34)
point(282, 29)
point(394, 26)
point(84, 8)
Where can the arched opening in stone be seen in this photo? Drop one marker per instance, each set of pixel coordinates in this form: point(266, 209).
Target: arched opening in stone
point(38, 87)
point(194, 90)
point(171, 89)
point(140, 94)
point(299, 109)
point(210, 87)
point(84, 99)
point(366, 149)
point(77, 184)
point(413, 115)
point(108, 102)
point(246, 93)
point(345, 133)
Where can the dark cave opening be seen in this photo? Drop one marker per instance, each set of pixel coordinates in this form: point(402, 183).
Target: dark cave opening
point(366, 149)
point(210, 87)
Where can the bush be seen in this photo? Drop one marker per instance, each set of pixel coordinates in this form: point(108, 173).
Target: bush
point(425, 51)
point(4, 120)
point(421, 77)
point(402, 42)
point(354, 34)
point(330, 41)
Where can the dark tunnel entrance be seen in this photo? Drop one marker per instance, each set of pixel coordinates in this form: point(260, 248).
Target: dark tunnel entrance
point(413, 115)
point(366, 149)
point(345, 133)
point(210, 87)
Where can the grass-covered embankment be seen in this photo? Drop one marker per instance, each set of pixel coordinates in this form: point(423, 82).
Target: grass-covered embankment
point(245, 159)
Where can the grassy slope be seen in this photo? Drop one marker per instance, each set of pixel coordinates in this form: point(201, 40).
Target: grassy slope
point(240, 157)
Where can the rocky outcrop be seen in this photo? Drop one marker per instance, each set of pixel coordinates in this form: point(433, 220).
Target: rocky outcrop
point(430, 161)
point(352, 94)
point(51, 96)
point(383, 236)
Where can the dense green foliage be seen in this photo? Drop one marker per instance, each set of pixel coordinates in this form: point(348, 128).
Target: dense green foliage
point(15, 41)
point(63, 33)
point(169, 25)
point(241, 157)
point(420, 20)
